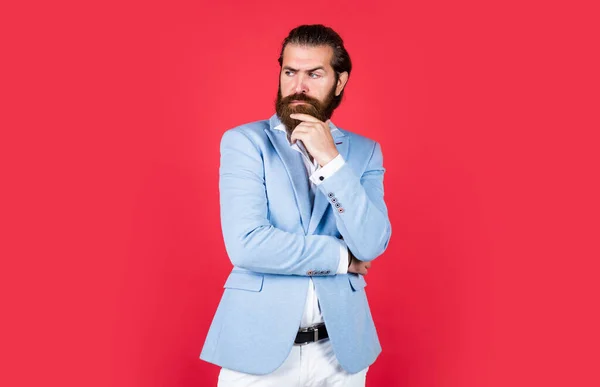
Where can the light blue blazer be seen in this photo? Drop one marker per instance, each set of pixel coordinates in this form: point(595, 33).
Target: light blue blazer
point(275, 241)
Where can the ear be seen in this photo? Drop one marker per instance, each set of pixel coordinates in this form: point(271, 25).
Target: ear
point(341, 83)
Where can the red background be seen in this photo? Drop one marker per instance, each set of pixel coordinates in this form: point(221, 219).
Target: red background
point(112, 256)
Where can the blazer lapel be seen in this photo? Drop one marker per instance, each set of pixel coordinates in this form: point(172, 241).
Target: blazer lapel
point(292, 160)
point(321, 202)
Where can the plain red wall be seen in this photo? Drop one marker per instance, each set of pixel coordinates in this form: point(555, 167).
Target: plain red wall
point(112, 256)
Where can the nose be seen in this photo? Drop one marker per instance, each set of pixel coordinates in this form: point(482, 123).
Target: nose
point(300, 85)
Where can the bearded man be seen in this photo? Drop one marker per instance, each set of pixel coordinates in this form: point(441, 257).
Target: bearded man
point(303, 216)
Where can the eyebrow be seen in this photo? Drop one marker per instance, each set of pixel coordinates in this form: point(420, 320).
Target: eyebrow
point(309, 70)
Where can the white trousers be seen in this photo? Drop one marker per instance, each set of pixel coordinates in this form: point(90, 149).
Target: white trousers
point(310, 365)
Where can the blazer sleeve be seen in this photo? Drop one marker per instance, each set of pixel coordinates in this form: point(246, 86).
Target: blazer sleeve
point(251, 241)
point(363, 220)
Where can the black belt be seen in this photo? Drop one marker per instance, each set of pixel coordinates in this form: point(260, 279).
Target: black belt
point(311, 334)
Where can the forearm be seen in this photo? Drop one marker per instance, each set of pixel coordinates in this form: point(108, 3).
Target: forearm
point(362, 220)
point(266, 249)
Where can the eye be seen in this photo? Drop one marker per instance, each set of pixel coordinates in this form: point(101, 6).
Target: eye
point(314, 75)
point(289, 73)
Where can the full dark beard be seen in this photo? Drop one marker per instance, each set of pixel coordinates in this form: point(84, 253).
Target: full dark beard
point(314, 107)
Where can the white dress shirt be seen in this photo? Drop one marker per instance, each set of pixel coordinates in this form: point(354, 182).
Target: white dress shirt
point(312, 311)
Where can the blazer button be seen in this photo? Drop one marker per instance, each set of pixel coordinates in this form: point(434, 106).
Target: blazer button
point(340, 210)
point(321, 178)
point(330, 194)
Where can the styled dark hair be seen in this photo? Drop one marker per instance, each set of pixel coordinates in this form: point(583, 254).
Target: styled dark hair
point(320, 35)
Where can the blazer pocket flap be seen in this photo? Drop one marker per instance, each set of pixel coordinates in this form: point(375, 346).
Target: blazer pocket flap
point(357, 281)
point(244, 281)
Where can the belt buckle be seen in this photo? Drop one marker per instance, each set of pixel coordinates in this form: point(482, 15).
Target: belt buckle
point(315, 336)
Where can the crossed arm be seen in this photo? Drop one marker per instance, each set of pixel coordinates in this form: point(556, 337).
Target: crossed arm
point(253, 243)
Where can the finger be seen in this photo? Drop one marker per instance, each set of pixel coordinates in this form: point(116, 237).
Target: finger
point(304, 117)
point(301, 129)
point(302, 136)
point(306, 126)
point(299, 134)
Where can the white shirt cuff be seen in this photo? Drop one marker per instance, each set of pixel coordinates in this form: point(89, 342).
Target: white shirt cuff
point(343, 266)
point(327, 170)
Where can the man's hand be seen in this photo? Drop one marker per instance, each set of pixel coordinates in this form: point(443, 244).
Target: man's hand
point(316, 137)
point(357, 266)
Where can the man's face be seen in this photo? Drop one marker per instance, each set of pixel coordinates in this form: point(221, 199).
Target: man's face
point(307, 84)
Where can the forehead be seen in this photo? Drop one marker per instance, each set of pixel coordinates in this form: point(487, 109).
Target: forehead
point(301, 57)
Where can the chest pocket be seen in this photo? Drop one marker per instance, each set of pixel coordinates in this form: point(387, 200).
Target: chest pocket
point(244, 281)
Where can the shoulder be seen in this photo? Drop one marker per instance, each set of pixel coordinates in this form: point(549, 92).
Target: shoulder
point(252, 128)
point(360, 143)
point(252, 133)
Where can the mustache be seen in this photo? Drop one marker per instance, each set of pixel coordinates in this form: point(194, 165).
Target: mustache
point(300, 97)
